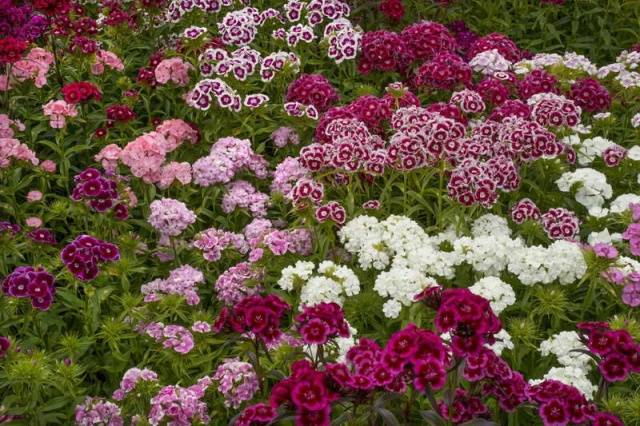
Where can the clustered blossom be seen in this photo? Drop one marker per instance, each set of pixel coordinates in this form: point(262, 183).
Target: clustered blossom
point(99, 192)
point(171, 336)
point(182, 282)
point(319, 323)
point(238, 381)
point(178, 405)
point(331, 283)
point(84, 255)
point(173, 70)
point(241, 194)
point(232, 285)
point(445, 71)
point(36, 284)
point(618, 354)
point(260, 315)
point(333, 211)
point(170, 217)
point(58, 111)
point(13, 150)
point(343, 39)
point(590, 95)
point(98, 411)
point(130, 380)
point(228, 157)
point(213, 242)
point(524, 210)
point(80, 92)
point(560, 223)
point(312, 90)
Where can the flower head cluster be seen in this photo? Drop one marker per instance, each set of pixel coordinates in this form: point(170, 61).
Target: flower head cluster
point(83, 256)
point(95, 411)
point(331, 283)
point(170, 217)
point(58, 111)
point(343, 39)
point(34, 283)
point(590, 95)
point(314, 90)
point(130, 380)
point(99, 192)
point(233, 284)
point(551, 110)
point(560, 223)
point(259, 315)
point(182, 282)
point(228, 156)
point(11, 150)
point(201, 96)
point(173, 70)
point(618, 354)
point(80, 92)
point(241, 194)
point(214, 241)
point(171, 336)
point(445, 71)
point(524, 210)
point(319, 323)
point(238, 381)
point(180, 406)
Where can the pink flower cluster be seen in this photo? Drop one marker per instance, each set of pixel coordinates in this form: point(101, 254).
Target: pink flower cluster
point(284, 136)
point(99, 192)
point(173, 70)
point(83, 256)
point(170, 217)
point(171, 336)
point(556, 111)
point(238, 282)
point(468, 101)
point(176, 405)
point(214, 241)
point(287, 174)
point(500, 42)
point(260, 315)
point(130, 380)
point(58, 111)
point(228, 157)
point(238, 382)
point(613, 155)
point(34, 283)
point(182, 282)
point(241, 194)
point(11, 149)
point(319, 323)
point(306, 190)
point(35, 66)
point(8, 127)
point(105, 58)
point(146, 154)
point(96, 411)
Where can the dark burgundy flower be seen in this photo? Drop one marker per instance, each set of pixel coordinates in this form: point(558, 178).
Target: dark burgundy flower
point(5, 344)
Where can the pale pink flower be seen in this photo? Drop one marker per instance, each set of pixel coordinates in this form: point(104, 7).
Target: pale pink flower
point(34, 66)
point(57, 111)
point(48, 166)
point(145, 155)
point(176, 132)
point(34, 196)
point(33, 222)
point(174, 70)
point(12, 149)
point(110, 59)
point(175, 171)
point(108, 157)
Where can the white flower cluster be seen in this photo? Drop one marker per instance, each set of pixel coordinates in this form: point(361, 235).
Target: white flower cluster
point(400, 284)
point(591, 148)
point(331, 283)
point(635, 121)
point(400, 243)
point(621, 203)
point(624, 67)
point(576, 365)
point(570, 60)
point(499, 294)
point(592, 192)
point(489, 62)
point(503, 341)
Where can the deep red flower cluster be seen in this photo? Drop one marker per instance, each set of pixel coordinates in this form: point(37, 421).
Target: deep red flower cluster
point(445, 71)
point(256, 414)
point(259, 315)
point(80, 91)
point(83, 255)
point(510, 108)
point(84, 45)
point(11, 50)
point(503, 44)
point(560, 223)
point(383, 51)
point(42, 236)
point(537, 81)
point(392, 9)
point(34, 283)
point(308, 391)
point(463, 408)
point(561, 404)
point(590, 95)
point(99, 192)
point(493, 91)
point(477, 182)
point(319, 323)
point(52, 7)
point(119, 113)
point(524, 210)
point(307, 191)
point(312, 89)
point(619, 354)
point(333, 210)
point(469, 318)
point(426, 39)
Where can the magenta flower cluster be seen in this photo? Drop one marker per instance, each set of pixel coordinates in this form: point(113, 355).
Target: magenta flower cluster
point(237, 381)
point(34, 283)
point(83, 256)
point(319, 323)
point(99, 192)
